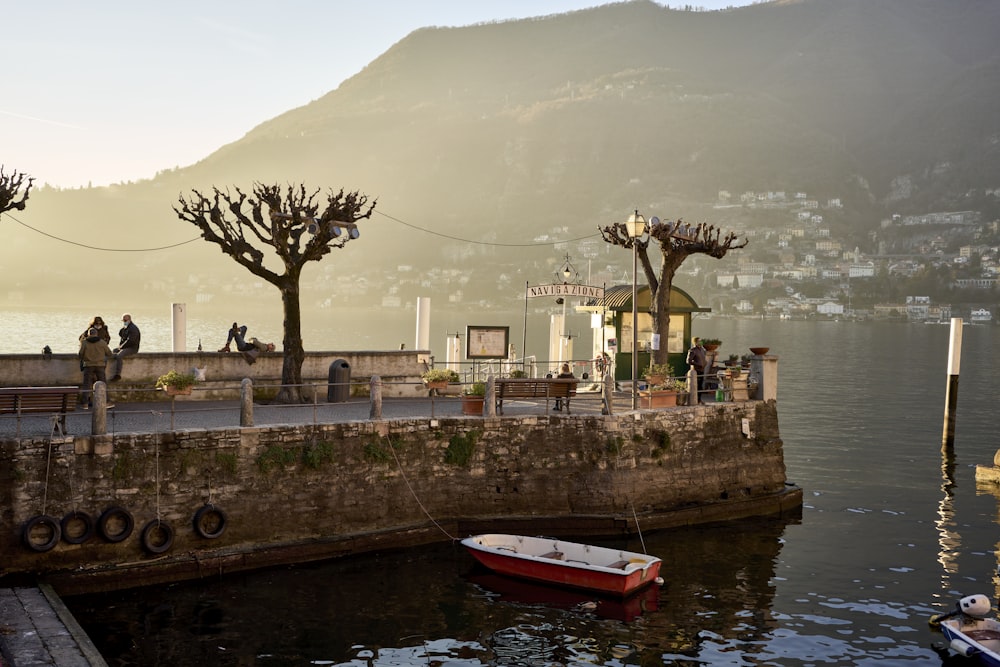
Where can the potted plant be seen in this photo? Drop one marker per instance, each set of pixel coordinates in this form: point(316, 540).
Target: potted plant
point(657, 374)
point(711, 344)
point(175, 383)
point(734, 360)
point(664, 395)
point(473, 398)
point(438, 378)
point(518, 374)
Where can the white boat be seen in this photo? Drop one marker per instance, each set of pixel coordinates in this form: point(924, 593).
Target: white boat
point(552, 561)
point(970, 631)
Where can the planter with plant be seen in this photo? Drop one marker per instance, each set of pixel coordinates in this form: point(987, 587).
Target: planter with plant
point(176, 384)
point(473, 399)
point(664, 395)
point(438, 378)
point(657, 374)
point(711, 344)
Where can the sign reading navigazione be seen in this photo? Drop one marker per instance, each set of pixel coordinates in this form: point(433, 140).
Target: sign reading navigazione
point(565, 289)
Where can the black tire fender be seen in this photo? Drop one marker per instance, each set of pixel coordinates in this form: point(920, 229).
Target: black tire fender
point(208, 511)
point(157, 536)
point(45, 521)
point(109, 517)
point(68, 521)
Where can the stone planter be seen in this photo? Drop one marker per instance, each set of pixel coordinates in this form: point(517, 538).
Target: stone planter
point(177, 391)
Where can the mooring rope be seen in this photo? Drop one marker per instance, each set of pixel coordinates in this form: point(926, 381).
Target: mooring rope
point(637, 528)
point(413, 493)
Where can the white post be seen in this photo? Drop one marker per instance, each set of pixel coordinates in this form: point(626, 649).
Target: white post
point(179, 324)
point(951, 394)
point(423, 337)
point(555, 339)
point(453, 353)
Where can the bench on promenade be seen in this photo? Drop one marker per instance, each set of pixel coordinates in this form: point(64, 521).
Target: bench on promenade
point(21, 400)
point(534, 388)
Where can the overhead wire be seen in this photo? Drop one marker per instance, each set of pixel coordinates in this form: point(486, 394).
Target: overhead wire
point(385, 215)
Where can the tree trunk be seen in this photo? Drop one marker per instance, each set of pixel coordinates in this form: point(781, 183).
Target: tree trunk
point(659, 307)
point(291, 368)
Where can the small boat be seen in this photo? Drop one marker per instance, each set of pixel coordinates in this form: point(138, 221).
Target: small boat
point(552, 561)
point(969, 632)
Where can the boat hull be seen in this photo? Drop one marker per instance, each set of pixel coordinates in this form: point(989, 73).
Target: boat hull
point(979, 639)
point(550, 561)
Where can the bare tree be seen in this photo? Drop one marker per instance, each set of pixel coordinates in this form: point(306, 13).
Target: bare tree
point(677, 241)
point(11, 196)
point(293, 225)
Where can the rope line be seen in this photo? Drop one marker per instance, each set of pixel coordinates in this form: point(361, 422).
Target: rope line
point(385, 215)
point(413, 493)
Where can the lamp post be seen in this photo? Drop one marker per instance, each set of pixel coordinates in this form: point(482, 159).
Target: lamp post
point(636, 227)
point(569, 274)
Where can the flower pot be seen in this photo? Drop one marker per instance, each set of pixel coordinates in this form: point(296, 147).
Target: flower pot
point(759, 351)
point(655, 379)
point(436, 384)
point(711, 347)
point(177, 391)
point(473, 405)
point(658, 398)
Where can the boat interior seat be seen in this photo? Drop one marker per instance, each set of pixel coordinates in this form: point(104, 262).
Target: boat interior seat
point(983, 635)
point(555, 555)
point(619, 564)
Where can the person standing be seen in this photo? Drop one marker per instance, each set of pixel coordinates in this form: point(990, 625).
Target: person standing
point(94, 354)
point(128, 345)
point(698, 358)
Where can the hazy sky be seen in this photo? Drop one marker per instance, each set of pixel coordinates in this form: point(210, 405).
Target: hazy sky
point(117, 90)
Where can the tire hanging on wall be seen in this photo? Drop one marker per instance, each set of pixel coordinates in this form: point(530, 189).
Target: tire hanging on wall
point(80, 536)
point(44, 522)
point(157, 536)
point(112, 518)
point(209, 521)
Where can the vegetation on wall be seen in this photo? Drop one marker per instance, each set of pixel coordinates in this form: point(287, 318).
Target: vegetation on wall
point(461, 447)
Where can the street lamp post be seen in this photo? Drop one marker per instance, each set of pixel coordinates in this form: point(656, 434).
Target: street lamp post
point(635, 226)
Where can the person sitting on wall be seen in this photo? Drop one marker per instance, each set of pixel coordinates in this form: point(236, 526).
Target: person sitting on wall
point(250, 348)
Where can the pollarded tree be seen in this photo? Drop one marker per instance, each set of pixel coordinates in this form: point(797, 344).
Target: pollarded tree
point(11, 196)
point(295, 226)
point(677, 241)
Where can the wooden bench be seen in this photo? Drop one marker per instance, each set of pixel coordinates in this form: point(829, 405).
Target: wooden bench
point(22, 400)
point(534, 388)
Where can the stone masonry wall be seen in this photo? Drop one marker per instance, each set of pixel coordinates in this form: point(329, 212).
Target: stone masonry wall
point(289, 486)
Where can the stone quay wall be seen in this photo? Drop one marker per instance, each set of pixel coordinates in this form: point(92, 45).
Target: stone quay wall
point(294, 493)
point(400, 372)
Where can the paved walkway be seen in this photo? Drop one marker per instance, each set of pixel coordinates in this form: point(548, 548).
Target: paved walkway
point(164, 416)
point(36, 628)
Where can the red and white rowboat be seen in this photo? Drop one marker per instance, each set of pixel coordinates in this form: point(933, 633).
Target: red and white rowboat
point(552, 561)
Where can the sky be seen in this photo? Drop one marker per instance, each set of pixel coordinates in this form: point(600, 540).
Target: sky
point(115, 91)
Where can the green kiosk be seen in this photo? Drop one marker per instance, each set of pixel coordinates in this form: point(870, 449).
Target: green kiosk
point(617, 338)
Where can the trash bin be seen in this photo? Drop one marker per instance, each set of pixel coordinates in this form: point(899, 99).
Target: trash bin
point(339, 388)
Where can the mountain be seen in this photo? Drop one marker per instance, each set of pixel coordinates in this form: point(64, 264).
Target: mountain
point(504, 132)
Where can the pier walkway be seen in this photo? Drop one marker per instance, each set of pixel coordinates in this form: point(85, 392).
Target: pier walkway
point(36, 628)
point(165, 416)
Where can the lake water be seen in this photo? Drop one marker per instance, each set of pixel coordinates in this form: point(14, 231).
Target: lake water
point(892, 531)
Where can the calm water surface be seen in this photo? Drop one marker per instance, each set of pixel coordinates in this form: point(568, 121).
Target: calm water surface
point(891, 532)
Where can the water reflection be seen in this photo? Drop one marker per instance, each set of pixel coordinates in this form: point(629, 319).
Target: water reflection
point(949, 540)
point(436, 603)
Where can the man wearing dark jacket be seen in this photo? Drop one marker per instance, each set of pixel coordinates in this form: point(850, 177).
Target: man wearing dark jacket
point(128, 345)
